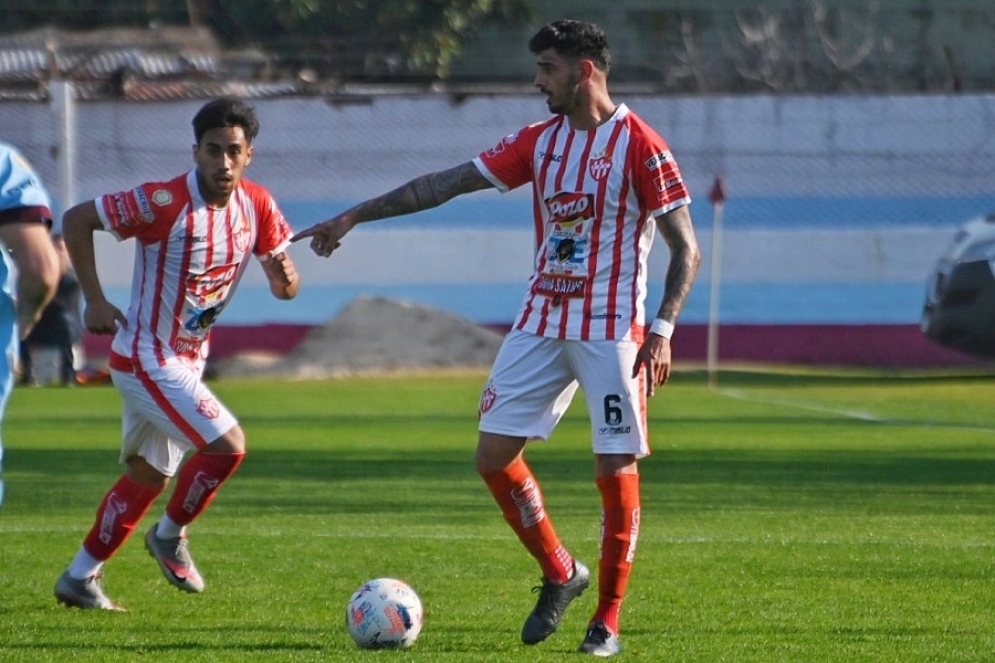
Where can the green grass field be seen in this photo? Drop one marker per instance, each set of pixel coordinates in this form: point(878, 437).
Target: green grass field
point(786, 517)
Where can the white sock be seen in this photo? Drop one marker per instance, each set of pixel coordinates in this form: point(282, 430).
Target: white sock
point(167, 529)
point(84, 565)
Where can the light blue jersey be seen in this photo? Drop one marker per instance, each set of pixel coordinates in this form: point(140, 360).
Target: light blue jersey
point(20, 188)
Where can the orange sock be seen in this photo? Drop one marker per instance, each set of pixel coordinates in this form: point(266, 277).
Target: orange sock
point(619, 533)
point(518, 495)
point(117, 516)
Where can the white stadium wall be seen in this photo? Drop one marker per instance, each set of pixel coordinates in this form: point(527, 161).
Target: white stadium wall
point(836, 210)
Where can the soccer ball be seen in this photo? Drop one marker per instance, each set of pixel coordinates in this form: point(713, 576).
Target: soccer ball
point(384, 614)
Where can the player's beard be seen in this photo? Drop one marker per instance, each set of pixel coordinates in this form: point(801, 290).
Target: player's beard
point(565, 103)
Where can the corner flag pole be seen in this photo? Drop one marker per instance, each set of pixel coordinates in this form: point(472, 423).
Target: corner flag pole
point(717, 196)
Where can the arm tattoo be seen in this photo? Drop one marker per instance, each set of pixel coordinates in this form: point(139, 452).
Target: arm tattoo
point(425, 192)
point(685, 257)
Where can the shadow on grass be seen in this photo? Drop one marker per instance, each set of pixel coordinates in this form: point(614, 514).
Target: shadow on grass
point(309, 481)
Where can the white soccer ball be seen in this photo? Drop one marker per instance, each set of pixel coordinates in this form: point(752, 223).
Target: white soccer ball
point(384, 614)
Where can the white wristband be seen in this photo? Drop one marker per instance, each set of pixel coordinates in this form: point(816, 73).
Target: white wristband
point(661, 327)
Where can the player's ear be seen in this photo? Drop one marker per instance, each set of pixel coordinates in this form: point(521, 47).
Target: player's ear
point(586, 70)
point(248, 154)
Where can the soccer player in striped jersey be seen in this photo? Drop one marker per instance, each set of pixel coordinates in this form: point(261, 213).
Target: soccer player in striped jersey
point(603, 184)
point(194, 236)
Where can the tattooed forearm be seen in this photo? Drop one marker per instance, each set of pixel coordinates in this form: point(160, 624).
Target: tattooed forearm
point(677, 287)
point(685, 257)
point(424, 192)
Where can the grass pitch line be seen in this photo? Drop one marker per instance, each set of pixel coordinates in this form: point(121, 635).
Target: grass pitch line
point(859, 415)
point(811, 407)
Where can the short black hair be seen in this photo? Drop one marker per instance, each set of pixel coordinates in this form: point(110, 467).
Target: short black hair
point(574, 39)
point(226, 112)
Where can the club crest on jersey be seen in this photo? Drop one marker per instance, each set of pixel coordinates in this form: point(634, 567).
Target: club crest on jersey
point(568, 208)
point(162, 197)
point(208, 408)
point(242, 233)
point(487, 398)
point(599, 167)
point(500, 147)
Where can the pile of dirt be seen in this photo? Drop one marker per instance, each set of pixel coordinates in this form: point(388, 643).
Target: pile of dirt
point(372, 336)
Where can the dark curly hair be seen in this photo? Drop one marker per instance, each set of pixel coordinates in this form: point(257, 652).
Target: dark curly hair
point(573, 39)
point(226, 112)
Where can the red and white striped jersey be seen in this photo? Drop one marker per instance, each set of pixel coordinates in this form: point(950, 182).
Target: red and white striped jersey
point(188, 260)
point(595, 195)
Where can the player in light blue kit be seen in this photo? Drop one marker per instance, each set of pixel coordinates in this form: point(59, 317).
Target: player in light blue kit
point(25, 219)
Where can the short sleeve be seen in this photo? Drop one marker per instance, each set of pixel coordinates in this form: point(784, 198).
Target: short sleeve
point(657, 177)
point(508, 165)
point(274, 230)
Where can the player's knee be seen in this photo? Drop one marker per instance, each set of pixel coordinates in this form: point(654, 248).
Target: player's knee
point(141, 472)
point(496, 452)
point(232, 442)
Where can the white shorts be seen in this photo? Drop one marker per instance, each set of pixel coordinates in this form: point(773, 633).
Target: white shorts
point(534, 379)
point(168, 411)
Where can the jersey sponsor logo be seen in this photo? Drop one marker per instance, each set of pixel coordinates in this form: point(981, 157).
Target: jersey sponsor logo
point(600, 167)
point(212, 285)
point(187, 346)
point(568, 207)
point(555, 158)
point(567, 250)
point(162, 197)
point(614, 430)
point(664, 183)
point(603, 316)
point(564, 249)
point(201, 319)
point(30, 180)
point(560, 285)
point(206, 294)
point(14, 192)
point(487, 399)
point(144, 208)
point(658, 160)
point(121, 209)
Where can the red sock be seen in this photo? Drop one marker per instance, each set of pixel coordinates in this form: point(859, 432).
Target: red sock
point(518, 495)
point(198, 483)
point(117, 516)
point(619, 532)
